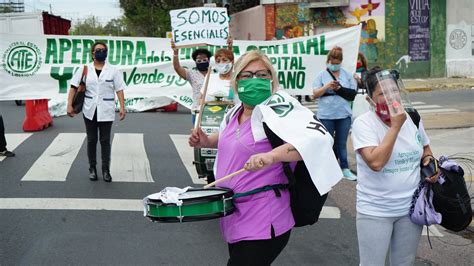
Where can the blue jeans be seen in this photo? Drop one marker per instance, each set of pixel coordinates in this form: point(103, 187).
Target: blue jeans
point(339, 129)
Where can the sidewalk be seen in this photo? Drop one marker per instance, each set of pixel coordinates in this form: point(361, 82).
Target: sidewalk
point(429, 84)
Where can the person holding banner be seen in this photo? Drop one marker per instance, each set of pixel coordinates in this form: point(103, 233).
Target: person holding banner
point(389, 148)
point(102, 82)
point(361, 70)
point(336, 88)
point(202, 59)
point(219, 83)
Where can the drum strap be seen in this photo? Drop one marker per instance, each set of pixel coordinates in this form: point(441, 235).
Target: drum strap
point(275, 188)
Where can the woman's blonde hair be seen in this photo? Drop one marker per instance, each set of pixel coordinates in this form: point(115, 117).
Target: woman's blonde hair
point(246, 59)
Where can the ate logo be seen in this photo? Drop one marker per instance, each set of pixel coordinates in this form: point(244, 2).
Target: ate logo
point(281, 107)
point(22, 59)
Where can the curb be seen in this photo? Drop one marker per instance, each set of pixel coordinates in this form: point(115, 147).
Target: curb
point(418, 89)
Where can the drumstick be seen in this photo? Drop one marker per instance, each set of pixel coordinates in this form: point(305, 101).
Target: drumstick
point(203, 99)
point(224, 178)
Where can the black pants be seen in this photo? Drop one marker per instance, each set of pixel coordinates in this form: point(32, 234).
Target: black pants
point(93, 129)
point(3, 141)
point(257, 252)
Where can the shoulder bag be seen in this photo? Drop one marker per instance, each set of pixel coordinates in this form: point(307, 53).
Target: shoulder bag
point(78, 100)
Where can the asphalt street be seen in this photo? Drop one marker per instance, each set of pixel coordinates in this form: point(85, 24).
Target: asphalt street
point(39, 227)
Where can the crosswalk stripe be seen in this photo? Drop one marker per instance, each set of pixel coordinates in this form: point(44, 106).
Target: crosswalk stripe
point(100, 205)
point(57, 159)
point(129, 161)
point(417, 103)
point(186, 153)
point(447, 110)
point(14, 140)
point(418, 107)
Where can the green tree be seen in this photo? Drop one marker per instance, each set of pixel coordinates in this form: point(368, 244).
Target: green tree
point(5, 9)
point(116, 27)
point(90, 26)
point(151, 18)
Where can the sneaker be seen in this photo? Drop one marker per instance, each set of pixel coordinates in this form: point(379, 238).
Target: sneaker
point(348, 174)
point(7, 153)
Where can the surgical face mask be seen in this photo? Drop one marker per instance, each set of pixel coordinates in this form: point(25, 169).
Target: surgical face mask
point(100, 54)
point(254, 91)
point(380, 109)
point(223, 68)
point(334, 67)
point(202, 66)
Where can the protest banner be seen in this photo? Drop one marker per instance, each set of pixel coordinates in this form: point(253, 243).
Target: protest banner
point(41, 66)
point(199, 26)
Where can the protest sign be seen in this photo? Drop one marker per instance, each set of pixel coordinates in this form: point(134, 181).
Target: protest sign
point(198, 26)
point(41, 66)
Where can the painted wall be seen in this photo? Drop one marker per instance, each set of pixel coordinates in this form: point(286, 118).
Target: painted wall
point(394, 52)
point(371, 13)
point(408, 35)
point(460, 38)
point(248, 24)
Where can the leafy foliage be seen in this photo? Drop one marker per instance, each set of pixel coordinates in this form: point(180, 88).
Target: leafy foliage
point(92, 26)
point(151, 18)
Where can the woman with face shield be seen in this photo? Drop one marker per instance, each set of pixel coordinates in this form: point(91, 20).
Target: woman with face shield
point(389, 148)
point(260, 227)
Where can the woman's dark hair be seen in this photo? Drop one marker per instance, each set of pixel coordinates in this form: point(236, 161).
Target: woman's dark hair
point(97, 43)
point(365, 64)
point(371, 80)
point(201, 51)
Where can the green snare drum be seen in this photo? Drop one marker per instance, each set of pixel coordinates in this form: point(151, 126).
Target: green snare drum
point(212, 115)
point(198, 205)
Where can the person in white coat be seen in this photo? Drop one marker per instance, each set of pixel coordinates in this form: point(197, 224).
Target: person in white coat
point(102, 82)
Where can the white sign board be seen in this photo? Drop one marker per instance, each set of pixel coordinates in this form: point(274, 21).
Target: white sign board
point(201, 25)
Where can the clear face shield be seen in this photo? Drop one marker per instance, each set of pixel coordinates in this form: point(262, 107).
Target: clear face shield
point(394, 92)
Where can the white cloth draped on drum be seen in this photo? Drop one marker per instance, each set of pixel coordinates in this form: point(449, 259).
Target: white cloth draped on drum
point(296, 124)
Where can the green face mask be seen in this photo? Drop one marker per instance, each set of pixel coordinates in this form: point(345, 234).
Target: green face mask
point(254, 91)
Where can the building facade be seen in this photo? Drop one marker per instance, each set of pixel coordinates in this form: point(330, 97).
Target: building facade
point(420, 38)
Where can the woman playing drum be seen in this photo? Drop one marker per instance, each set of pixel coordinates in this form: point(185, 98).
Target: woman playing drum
point(260, 227)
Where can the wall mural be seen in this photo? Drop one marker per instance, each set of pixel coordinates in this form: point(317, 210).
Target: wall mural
point(371, 13)
point(298, 20)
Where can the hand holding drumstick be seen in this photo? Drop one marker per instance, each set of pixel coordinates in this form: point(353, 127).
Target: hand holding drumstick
point(255, 162)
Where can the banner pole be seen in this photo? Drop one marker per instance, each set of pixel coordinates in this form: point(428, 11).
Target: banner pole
point(203, 99)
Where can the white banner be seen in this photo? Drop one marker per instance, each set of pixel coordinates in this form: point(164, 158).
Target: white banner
point(41, 66)
point(200, 25)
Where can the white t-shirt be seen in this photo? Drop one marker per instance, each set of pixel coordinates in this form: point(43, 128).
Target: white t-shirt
point(388, 193)
point(218, 87)
point(196, 79)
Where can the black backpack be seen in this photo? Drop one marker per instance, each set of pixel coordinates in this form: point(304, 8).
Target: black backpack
point(306, 201)
point(415, 116)
point(452, 200)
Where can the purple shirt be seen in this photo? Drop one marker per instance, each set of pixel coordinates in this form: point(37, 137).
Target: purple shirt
point(254, 214)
